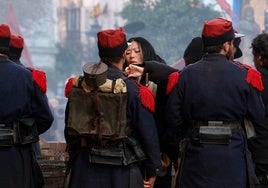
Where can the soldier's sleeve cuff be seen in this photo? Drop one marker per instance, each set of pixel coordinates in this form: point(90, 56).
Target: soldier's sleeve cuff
point(153, 172)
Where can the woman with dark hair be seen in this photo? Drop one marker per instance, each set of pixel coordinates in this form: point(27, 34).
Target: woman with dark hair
point(147, 50)
point(140, 51)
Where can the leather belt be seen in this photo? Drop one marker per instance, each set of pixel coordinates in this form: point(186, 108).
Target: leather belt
point(93, 141)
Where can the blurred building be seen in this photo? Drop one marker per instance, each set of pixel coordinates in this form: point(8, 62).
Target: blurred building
point(37, 26)
point(249, 17)
point(43, 38)
point(80, 20)
point(251, 23)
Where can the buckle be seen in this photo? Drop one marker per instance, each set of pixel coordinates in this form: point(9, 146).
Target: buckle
point(215, 123)
point(215, 135)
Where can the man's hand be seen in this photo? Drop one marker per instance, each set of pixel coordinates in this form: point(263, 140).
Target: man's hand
point(134, 70)
point(150, 182)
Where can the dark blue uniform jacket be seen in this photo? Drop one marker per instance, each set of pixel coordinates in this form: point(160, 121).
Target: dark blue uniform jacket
point(213, 89)
point(20, 97)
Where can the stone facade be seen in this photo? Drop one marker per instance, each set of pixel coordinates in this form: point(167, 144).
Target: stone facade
point(259, 8)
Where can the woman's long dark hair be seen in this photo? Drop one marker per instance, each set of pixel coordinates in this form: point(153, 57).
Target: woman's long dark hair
point(148, 50)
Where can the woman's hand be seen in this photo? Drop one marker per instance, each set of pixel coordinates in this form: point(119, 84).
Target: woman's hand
point(134, 70)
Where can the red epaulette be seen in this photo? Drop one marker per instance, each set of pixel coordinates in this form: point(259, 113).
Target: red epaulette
point(173, 79)
point(253, 77)
point(68, 87)
point(147, 98)
point(39, 77)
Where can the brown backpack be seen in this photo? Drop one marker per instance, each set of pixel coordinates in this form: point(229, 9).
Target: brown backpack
point(101, 115)
point(100, 112)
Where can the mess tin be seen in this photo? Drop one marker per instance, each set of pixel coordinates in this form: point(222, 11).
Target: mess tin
point(95, 74)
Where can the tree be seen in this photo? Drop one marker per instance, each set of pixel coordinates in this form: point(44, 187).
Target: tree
point(169, 24)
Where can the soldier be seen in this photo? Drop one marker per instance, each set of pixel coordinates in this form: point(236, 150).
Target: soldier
point(15, 50)
point(24, 114)
point(87, 173)
point(259, 144)
point(39, 77)
point(207, 109)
